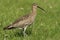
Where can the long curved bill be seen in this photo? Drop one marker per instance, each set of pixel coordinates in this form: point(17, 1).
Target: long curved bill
point(41, 9)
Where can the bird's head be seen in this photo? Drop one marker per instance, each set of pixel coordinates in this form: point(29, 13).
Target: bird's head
point(36, 6)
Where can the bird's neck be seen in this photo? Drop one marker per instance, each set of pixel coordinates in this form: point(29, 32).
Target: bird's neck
point(33, 11)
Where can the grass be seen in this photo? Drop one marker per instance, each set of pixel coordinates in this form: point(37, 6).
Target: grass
point(45, 27)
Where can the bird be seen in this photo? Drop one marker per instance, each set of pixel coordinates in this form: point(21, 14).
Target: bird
point(26, 20)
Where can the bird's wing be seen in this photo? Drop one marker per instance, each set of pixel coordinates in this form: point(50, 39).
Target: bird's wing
point(21, 18)
point(17, 21)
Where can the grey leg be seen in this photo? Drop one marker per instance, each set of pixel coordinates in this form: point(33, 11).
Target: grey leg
point(24, 30)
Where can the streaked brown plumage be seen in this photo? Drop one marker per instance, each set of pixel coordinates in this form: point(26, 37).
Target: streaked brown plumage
point(25, 21)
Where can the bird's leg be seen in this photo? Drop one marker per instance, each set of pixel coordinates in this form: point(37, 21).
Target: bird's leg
point(24, 31)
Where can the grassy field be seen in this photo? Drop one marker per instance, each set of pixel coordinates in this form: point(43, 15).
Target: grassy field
point(45, 27)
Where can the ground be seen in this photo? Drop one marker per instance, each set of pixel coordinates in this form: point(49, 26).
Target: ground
point(45, 27)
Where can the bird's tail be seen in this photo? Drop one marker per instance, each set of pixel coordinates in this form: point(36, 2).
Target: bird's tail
point(8, 27)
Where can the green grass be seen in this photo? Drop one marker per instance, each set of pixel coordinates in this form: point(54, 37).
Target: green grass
point(45, 27)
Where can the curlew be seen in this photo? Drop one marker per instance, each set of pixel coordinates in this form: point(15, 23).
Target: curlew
point(26, 20)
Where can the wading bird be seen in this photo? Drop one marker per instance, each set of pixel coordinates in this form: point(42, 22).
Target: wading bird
point(26, 20)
